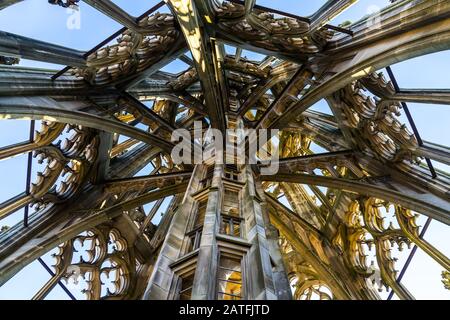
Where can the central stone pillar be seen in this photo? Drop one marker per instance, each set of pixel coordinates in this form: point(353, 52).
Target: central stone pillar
point(220, 244)
point(160, 286)
point(207, 263)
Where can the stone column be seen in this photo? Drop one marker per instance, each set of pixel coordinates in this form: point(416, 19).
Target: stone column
point(207, 263)
point(161, 280)
point(260, 275)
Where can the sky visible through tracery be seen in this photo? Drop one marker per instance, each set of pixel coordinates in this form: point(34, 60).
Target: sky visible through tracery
point(86, 28)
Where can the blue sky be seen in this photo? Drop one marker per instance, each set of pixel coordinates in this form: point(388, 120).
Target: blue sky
point(49, 23)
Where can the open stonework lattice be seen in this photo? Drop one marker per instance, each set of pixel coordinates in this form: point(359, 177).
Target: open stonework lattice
point(327, 225)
